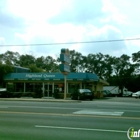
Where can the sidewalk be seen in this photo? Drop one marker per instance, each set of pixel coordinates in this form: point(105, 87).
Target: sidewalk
point(44, 99)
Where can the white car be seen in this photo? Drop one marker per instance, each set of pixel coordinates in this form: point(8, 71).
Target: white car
point(128, 94)
point(136, 94)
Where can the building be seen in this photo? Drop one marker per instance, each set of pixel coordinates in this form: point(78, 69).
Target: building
point(47, 83)
point(18, 69)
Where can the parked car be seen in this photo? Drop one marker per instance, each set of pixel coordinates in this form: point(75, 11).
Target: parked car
point(82, 94)
point(106, 93)
point(136, 94)
point(128, 94)
point(4, 93)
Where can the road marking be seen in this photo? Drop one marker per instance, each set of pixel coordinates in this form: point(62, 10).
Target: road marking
point(3, 106)
point(70, 108)
point(96, 112)
point(43, 107)
point(84, 129)
point(70, 115)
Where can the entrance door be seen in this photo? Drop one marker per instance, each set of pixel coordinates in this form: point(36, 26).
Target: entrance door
point(48, 89)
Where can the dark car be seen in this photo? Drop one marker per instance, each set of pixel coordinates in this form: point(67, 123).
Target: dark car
point(4, 93)
point(82, 94)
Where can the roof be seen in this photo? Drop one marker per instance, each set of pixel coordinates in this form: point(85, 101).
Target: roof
point(50, 76)
point(21, 67)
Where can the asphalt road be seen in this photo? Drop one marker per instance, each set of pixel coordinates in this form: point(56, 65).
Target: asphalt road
point(87, 120)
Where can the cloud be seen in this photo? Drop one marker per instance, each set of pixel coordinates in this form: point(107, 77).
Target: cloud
point(46, 33)
point(107, 32)
point(9, 25)
point(135, 44)
point(112, 13)
point(7, 20)
point(67, 32)
point(2, 40)
point(35, 10)
point(80, 12)
point(45, 21)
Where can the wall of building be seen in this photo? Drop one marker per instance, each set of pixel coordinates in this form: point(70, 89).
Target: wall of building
point(97, 88)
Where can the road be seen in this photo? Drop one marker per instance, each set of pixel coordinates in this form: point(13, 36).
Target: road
point(87, 120)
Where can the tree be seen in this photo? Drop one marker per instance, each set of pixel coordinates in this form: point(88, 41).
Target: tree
point(96, 64)
point(77, 61)
point(116, 70)
point(123, 70)
point(136, 57)
point(50, 65)
point(136, 60)
point(4, 69)
point(10, 58)
point(26, 60)
point(108, 67)
point(34, 68)
point(40, 62)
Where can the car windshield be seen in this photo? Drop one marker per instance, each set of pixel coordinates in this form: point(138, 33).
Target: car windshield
point(84, 90)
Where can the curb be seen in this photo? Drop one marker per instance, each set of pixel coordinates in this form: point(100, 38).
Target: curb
point(40, 100)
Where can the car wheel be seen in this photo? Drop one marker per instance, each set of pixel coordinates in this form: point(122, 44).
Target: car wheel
point(78, 98)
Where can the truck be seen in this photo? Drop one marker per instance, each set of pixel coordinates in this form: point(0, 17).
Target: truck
point(116, 91)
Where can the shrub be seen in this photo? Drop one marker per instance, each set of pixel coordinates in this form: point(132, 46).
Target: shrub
point(56, 95)
point(5, 94)
point(37, 94)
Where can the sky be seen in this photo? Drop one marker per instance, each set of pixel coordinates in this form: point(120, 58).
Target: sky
point(61, 21)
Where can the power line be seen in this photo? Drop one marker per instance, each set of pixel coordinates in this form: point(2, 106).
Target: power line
point(66, 43)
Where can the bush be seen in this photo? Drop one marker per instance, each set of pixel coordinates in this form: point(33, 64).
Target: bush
point(37, 95)
point(5, 94)
point(56, 95)
point(27, 94)
point(15, 94)
point(74, 94)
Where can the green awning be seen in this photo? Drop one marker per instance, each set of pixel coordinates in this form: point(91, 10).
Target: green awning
point(50, 76)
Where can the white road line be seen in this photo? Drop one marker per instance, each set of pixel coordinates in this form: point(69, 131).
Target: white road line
point(70, 108)
point(43, 107)
point(84, 129)
point(97, 112)
point(3, 106)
